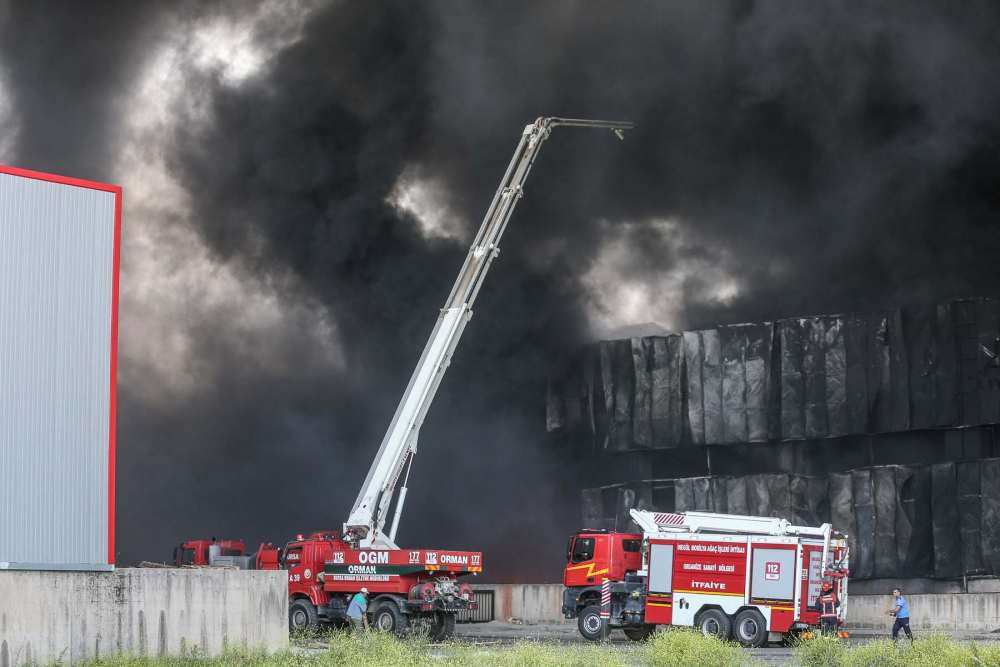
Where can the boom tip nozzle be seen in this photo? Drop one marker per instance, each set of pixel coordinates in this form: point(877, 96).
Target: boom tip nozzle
point(620, 134)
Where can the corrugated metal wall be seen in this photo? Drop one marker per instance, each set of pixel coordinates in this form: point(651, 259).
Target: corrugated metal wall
point(56, 280)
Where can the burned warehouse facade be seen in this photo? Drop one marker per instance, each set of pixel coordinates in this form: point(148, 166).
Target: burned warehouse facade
point(882, 422)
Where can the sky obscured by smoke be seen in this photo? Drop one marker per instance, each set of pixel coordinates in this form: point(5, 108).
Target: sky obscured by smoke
point(302, 180)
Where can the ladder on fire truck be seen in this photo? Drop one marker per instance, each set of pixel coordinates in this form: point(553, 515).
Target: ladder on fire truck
point(653, 523)
point(364, 526)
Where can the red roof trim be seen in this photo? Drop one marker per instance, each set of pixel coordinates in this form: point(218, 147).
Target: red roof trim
point(65, 180)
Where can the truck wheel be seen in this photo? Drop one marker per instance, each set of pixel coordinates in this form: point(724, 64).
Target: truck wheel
point(444, 626)
point(751, 630)
point(591, 624)
point(640, 633)
point(388, 618)
point(302, 616)
point(715, 623)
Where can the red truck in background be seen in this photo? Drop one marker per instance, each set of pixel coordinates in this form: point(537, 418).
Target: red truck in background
point(196, 552)
point(754, 579)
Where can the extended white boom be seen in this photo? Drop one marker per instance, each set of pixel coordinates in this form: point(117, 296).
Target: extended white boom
point(364, 527)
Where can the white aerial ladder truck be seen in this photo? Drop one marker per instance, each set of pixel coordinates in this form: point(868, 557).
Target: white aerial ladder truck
point(755, 579)
point(415, 586)
point(365, 524)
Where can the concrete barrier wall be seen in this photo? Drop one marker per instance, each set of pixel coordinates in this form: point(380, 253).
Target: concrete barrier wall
point(71, 616)
point(529, 603)
point(966, 612)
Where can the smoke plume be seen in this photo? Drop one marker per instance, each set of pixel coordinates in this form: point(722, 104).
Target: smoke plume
point(302, 181)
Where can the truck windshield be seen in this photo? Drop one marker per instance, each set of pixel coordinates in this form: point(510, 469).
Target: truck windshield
point(583, 549)
point(187, 557)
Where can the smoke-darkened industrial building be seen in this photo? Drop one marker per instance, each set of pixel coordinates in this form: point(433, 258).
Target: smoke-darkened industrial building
point(884, 423)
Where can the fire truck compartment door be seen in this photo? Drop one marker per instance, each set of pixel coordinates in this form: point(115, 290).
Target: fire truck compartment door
point(773, 576)
point(659, 598)
point(661, 568)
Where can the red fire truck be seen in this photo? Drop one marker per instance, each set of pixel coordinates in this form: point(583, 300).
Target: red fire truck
point(754, 579)
point(409, 590)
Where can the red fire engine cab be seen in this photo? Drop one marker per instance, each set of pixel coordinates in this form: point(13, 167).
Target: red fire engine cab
point(755, 579)
point(197, 552)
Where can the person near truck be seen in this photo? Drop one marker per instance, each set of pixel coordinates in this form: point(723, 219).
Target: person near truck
point(901, 611)
point(827, 604)
point(357, 611)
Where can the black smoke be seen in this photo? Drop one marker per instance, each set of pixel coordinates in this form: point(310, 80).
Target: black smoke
point(829, 156)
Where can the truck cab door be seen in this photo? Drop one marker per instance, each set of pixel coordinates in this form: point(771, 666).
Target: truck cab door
point(295, 566)
point(587, 561)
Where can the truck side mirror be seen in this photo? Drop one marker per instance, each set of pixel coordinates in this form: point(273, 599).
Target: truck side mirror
point(176, 549)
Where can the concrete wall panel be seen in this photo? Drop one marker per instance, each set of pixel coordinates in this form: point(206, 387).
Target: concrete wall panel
point(960, 612)
point(73, 616)
point(528, 603)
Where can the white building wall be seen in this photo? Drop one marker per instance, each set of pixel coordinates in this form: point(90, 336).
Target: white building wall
point(57, 245)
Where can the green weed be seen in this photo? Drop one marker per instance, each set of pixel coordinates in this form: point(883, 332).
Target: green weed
point(821, 651)
point(670, 648)
point(682, 647)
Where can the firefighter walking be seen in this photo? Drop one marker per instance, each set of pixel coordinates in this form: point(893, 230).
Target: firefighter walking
point(901, 610)
point(827, 604)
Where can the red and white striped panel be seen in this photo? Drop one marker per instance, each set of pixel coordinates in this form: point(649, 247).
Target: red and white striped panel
point(669, 519)
point(606, 598)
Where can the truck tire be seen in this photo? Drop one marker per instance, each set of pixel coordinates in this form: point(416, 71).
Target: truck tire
point(444, 626)
point(302, 616)
point(715, 623)
point(641, 633)
point(592, 626)
point(751, 629)
point(388, 618)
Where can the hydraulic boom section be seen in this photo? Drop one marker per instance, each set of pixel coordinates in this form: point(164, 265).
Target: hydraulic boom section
point(364, 528)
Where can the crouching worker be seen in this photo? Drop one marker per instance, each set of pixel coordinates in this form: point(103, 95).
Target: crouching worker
point(827, 604)
point(356, 611)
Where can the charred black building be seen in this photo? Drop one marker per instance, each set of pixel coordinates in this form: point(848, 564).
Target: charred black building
point(884, 423)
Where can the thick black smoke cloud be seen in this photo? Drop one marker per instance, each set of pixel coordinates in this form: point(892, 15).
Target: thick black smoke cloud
point(827, 156)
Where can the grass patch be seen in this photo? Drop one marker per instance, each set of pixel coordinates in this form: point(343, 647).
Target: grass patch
point(929, 650)
point(675, 647)
point(683, 647)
